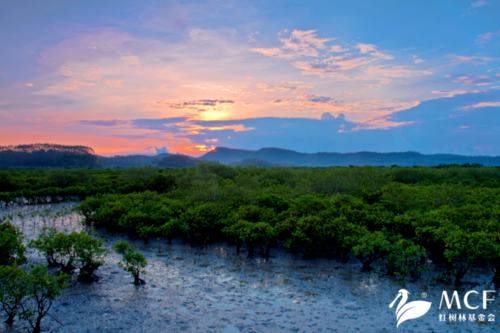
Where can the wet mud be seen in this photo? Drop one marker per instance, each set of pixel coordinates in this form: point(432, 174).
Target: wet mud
point(215, 289)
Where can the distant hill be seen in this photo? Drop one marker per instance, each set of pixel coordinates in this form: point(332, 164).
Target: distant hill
point(131, 160)
point(48, 155)
point(277, 155)
point(177, 161)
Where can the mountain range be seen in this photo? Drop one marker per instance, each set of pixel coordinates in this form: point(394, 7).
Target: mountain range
point(47, 155)
point(322, 159)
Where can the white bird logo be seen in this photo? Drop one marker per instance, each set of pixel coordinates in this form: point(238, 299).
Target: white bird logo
point(411, 310)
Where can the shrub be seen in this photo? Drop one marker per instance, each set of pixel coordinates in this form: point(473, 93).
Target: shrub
point(40, 289)
point(11, 244)
point(132, 261)
point(90, 255)
point(71, 251)
point(405, 258)
point(12, 290)
point(372, 246)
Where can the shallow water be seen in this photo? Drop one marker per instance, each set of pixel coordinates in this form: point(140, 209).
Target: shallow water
point(214, 289)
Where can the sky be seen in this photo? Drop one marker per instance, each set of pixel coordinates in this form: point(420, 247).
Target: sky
point(128, 77)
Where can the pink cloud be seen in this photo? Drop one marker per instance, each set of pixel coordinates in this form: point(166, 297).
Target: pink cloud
point(480, 105)
point(450, 93)
point(304, 43)
point(338, 49)
point(131, 60)
point(113, 83)
point(274, 87)
point(457, 59)
point(397, 71)
point(372, 50)
point(272, 52)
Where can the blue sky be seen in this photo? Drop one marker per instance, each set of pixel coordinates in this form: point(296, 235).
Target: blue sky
point(131, 76)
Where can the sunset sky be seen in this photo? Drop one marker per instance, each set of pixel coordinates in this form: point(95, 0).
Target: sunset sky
point(129, 77)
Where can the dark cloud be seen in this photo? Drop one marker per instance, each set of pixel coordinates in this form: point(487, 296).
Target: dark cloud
point(317, 99)
point(280, 102)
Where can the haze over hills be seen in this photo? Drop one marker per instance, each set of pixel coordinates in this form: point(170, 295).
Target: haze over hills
point(278, 155)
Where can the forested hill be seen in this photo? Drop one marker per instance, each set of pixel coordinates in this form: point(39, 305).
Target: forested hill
point(277, 155)
point(48, 155)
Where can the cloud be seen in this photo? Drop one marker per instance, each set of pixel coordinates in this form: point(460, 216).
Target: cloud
point(418, 61)
point(299, 43)
point(360, 111)
point(327, 116)
point(332, 66)
point(201, 105)
point(280, 102)
point(397, 71)
point(380, 123)
point(304, 43)
point(480, 105)
point(365, 48)
point(29, 84)
point(471, 9)
point(234, 91)
point(105, 123)
point(450, 93)
point(272, 52)
point(113, 83)
point(131, 60)
point(479, 80)
point(158, 150)
point(274, 87)
point(479, 3)
point(157, 124)
point(317, 99)
point(484, 38)
point(338, 49)
point(372, 50)
point(475, 60)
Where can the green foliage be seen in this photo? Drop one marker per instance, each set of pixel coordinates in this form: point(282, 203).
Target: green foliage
point(71, 251)
point(46, 246)
point(121, 247)
point(12, 290)
point(405, 259)
point(40, 289)
point(396, 216)
point(275, 202)
point(90, 255)
point(11, 244)
point(132, 261)
point(372, 246)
